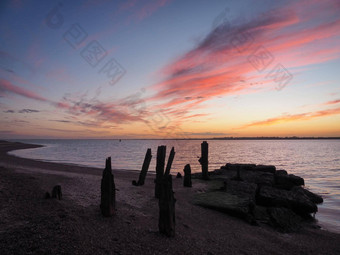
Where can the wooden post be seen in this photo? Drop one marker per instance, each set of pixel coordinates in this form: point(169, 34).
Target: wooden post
point(108, 191)
point(204, 160)
point(187, 176)
point(166, 221)
point(144, 170)
point(161, 150)
point(171, 158)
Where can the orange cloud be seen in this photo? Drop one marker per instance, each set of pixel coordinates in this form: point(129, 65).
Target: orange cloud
point(333, 102)
point(294, 117)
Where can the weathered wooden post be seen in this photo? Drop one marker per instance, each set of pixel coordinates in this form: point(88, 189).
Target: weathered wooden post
point(144, 170)
point(187, 176)
point(161, 151)
point(56, 192)
point(108, 191)
point(204, 160)
point(166, 221)
point(171, 158)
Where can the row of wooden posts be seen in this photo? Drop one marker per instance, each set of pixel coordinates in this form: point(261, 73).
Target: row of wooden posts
point(163, 186)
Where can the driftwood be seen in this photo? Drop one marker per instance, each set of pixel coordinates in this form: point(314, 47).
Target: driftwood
point(108, 191)
point(161, 150)
point(204, 160)
point(144, 170)
point(187, 176)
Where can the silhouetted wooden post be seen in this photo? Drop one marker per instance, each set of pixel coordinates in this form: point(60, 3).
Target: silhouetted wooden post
point(144, 170)
point(161, 150)
point(166, 221)
point(187, 176)
point(170, 159)
point(204, 160)
point(108, 191)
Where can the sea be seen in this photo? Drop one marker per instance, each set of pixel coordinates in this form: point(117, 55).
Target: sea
point(316, 160)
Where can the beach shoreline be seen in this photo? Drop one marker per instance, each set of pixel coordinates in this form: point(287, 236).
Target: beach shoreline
point(31, 224)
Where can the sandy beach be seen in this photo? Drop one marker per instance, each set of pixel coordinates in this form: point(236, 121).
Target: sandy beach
point(30, 224)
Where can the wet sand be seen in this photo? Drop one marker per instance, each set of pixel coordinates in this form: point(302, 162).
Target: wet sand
point(30, 224)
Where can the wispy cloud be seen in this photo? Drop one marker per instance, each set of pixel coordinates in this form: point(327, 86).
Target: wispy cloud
point(218, 65)
point(332, 102)
point(207, 134)
point(6, 87)
point(9, 111)
point(28, 111)
point(294, 117)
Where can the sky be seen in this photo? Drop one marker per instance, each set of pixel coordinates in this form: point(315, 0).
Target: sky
point(169, 69)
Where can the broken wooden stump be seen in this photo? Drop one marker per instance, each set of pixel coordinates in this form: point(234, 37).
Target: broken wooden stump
point(204, 160)
point(166, 202)
point(144, 170)
point(166, 221)
point(108, 191)
point(170, 159)
point(187, 176)
point(161, 150)
point(56, 192)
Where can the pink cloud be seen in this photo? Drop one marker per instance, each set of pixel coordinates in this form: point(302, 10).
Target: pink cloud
point(6, 87)
point(219, 62)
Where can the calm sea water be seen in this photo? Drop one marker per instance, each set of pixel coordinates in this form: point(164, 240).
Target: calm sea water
point(317, 161)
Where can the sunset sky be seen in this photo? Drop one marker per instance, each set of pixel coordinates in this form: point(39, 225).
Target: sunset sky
point(169, 68)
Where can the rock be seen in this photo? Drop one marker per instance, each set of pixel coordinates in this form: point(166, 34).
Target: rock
point(248, 167)
point(224, 202)
point(238, 174)
point(298, 202)
point(265, 168)
point(288, 181)
point(178, 175)
point(312, 196)
point(260, 214)
point(218, 171)
point(284, 219)
point(296, 180)
point(281, 172)
point(47, 195)
point(242, 189)
point(265, 179)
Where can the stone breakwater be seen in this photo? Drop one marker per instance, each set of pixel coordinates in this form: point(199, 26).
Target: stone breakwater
point(260, 194)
